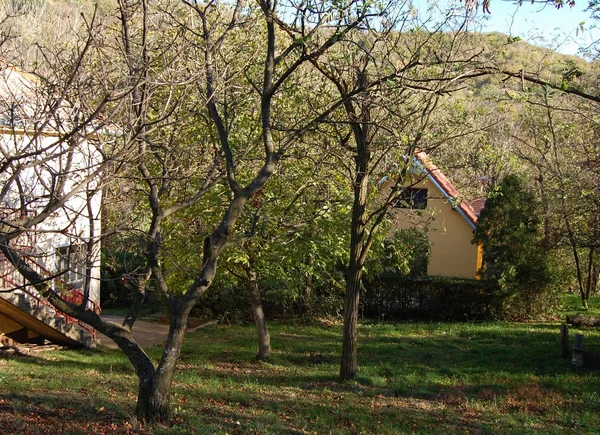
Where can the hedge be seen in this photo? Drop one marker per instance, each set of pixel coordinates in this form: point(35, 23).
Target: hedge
point(429, 298)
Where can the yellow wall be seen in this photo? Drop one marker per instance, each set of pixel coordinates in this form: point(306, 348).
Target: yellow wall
point(451, 250)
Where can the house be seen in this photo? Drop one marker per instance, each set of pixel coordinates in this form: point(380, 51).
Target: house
point(43, 156)
point(431, 203)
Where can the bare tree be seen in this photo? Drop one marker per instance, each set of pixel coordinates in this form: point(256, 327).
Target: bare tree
point(565, 160)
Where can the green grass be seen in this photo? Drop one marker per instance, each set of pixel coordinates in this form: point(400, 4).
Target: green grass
point(572, 305)
point(490, 378)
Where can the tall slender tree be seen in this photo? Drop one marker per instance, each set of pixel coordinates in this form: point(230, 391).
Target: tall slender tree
point(393, 85)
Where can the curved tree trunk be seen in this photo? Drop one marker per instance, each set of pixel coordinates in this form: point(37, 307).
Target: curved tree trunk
point(153, 404)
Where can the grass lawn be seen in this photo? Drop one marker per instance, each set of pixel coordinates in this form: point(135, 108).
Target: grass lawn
point(572, 305)
point(414, 378)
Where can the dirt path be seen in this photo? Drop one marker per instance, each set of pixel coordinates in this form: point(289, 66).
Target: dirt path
point(146, 333)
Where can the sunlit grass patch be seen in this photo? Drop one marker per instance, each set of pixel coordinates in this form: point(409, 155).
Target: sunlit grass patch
point(419, 378)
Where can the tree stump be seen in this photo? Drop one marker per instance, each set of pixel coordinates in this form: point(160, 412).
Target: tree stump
point(577, 359)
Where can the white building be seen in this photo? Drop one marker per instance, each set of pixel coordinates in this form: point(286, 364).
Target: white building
point(46, 160)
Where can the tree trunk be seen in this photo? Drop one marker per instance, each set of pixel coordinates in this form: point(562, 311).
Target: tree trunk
point(547, 239)
point(308, 287)
point(264, 339)
point(360, 123)
point(153, 405)
point(349, 365)
point(595, 277)
point(590, 275)
point(578, 266)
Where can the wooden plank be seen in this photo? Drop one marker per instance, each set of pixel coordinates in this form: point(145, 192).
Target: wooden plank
point(34, 324)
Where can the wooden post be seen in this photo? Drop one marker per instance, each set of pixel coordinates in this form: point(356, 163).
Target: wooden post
point(577, 359)
point(564, 341)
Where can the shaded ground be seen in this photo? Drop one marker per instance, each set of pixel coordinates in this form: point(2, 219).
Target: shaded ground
point(145, 332)
point(35, 418)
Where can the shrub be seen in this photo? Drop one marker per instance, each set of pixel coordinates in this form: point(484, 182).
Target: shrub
point(516, 266)
point(428, 298)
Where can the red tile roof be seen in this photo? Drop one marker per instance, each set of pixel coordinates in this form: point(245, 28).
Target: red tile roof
point(466, 210)
point(478, 205)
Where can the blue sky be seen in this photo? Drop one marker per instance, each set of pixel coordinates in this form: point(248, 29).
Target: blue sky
point(542, 25)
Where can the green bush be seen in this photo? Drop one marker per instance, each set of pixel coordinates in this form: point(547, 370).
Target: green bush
point(516, 265)
point(399, 297)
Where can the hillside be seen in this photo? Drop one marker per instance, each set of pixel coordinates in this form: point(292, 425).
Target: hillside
point(494, 106)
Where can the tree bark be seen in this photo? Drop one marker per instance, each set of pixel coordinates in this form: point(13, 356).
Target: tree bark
point(308, 287)
point(583, 321)
point(264, 339)
point(358, 247)
point(360, 122)
point(155, 385)
point(349, 365)
point(590, 283)
point(153, 405)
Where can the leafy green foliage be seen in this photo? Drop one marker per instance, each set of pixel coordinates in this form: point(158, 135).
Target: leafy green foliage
point(294, 235)
point(406, 253)
point(514, 261)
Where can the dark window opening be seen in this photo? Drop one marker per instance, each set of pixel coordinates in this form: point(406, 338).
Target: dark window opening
point(412, 198)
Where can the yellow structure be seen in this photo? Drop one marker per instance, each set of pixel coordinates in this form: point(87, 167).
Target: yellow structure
point(431, 203)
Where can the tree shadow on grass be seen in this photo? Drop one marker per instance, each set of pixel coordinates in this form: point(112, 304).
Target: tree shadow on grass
point(516, 352)
point(384, 358)
point(334, 410)
point(425, 376)
point(57, 413)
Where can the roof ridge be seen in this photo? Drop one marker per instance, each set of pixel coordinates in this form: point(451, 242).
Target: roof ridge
point(447, 188)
